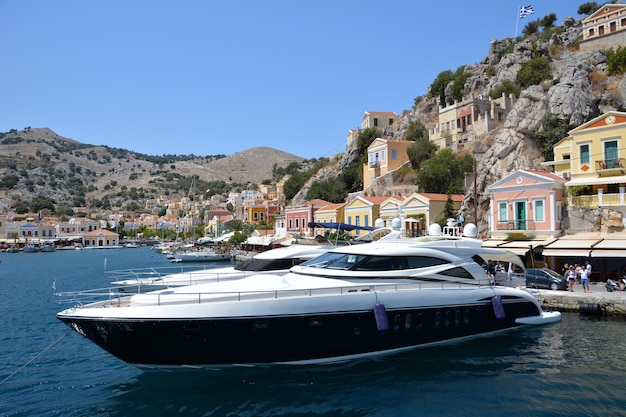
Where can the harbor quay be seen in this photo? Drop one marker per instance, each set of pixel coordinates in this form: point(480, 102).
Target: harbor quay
point(599, 301)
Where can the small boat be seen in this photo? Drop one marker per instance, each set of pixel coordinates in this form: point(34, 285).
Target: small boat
point(30, 248)
point(48, 247)
point(202, 256)
point(352, 302)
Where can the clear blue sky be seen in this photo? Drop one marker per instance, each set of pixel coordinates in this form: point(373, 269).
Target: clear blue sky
point(210, 77)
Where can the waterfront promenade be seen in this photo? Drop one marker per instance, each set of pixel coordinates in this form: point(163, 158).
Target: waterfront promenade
point(598, 301)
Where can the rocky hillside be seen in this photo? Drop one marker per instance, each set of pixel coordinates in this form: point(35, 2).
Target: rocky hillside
point(578, 90)
point(35, 162)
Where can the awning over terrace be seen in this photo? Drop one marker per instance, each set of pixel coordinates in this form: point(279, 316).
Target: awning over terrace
point(571, 247)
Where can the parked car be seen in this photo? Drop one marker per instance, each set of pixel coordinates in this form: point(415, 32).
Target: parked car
point(545, 278)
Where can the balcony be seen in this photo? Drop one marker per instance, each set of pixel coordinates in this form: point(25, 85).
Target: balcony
point(594, 201)
point(375, 164)
point(610, 167)
point(516, 225)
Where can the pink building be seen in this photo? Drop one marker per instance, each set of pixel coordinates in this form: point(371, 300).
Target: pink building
point(297, 218)
point(526, 204)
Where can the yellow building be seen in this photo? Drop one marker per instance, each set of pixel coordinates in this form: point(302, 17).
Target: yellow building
point(100, 238)
point(428, 207)
point(390, 209)
point(384, 156)
point(591, 158)
point(331, 213)
point(363, 212)
point(605, 28)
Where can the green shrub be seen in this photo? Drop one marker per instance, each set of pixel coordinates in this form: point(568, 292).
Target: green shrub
point(616, 61)
point(553, 130)
point(534, 72)
point(508, 87)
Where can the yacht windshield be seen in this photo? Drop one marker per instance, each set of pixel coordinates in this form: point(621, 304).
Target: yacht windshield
point(335, 261)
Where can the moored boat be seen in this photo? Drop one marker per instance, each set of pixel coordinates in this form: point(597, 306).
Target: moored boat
point(351, 302)
point(274, 261)
point(202, 256)
point(30, 248)
point(48, 247)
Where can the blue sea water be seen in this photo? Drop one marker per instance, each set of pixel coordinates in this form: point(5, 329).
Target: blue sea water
point(573, 368)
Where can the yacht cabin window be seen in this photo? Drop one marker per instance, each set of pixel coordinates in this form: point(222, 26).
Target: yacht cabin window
point(344, 261)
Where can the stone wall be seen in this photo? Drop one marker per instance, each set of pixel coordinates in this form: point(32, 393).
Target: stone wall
point(611, 304)
point(612, 40)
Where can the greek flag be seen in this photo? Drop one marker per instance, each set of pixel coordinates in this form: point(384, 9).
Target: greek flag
point(525, 11)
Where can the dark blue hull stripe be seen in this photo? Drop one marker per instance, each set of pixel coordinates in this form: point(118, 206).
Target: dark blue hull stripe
point(280, 339)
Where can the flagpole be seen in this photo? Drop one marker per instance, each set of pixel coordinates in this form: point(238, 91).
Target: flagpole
point(517, 21)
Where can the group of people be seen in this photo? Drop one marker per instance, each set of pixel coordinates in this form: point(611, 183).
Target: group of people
point(577, 273)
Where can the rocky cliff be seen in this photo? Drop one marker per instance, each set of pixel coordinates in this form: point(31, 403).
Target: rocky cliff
point(578, 91)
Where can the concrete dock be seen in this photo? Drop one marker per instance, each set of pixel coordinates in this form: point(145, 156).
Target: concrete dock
point(598, 301)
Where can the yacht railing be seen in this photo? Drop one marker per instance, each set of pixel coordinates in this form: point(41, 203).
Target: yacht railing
point(153, 273)
point(142, 282)
point(110, 297)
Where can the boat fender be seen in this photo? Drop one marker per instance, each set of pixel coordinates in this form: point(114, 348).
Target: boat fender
point(589, 308)
point(498, 307)
point(382, 322)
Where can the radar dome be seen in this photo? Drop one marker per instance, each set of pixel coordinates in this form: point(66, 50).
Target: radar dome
point(470, 230)
point(434, 230)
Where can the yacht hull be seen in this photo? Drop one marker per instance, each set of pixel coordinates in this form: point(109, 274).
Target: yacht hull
point(314, 337)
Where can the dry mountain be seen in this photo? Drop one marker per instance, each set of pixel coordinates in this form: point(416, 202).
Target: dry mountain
point(38, 162)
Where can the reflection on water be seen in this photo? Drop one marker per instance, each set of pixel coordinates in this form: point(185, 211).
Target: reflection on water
point(572, 368)
point(539, 371)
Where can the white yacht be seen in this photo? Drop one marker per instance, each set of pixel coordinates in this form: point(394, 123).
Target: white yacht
point(351, 302)
point(274, 261)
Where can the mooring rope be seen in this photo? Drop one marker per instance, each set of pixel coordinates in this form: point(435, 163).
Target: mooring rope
point(35, 358)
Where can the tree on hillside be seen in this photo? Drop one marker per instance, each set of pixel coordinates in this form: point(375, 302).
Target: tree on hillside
point(422, 148)
point(295, 184)
point(548, 20)
point(415, 131)
point(553, 130)
point(534, 72)
point(352, 177)
point(531, 27)
point(588, 8)
point(365, 139)
point(506, 87)
point(420, 151)
point(616, 61)
point(458, 84)
point(444, 173)
point(42, 202)
point(438, 87)
point(330, 190)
